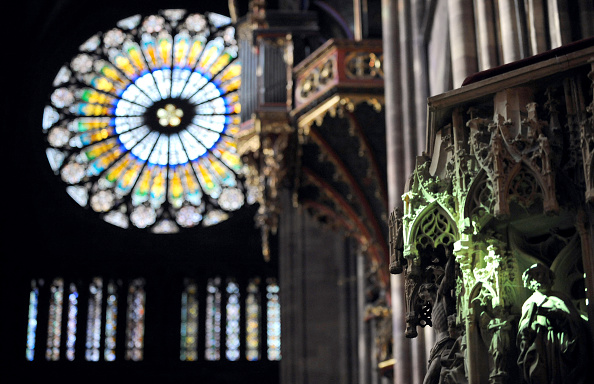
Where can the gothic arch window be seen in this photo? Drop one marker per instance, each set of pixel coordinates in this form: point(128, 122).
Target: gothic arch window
point(141, 122)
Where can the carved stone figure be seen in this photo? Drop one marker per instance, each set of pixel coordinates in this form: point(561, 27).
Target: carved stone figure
point(500, 328)
point(496, 326)
point(453, 369)
point(443, 304)
point(553, 339)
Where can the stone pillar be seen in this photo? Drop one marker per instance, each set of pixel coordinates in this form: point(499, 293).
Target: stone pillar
point(363, 342)
point(395, 160)
point(402, 346)
point(586, 9)
point(419, 73)
point(536, 26)
point(559, 27)
point(487, 36)
point(358, 20)
point(395, 174)
point(317, 308)
point(510, 37)
point(462, 39)
point(407, 84)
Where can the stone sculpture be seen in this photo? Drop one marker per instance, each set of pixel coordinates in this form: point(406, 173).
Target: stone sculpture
point(553, 338)
point(442, 303)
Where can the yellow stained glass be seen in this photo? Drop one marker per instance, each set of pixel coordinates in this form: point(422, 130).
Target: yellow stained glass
point(181, 50)
point(197, 46)
point(124, 64)
point(158, 186)
point(176, 189)
point(133, 51)
point(165, 50)
point(128, 178)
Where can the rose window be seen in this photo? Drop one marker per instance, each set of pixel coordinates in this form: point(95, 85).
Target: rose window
point(141, 122)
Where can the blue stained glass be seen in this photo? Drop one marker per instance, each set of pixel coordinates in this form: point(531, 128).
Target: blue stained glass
point(232, 329)
point(32, 320)
point(274, 325)
point(71, 326)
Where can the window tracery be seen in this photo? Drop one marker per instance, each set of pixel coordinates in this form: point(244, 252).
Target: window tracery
point(141, 123)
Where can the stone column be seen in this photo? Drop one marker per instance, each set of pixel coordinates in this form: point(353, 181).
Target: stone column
point(586, 8)
point(419, 67)
point(358, 20)
point(407, 84)
point(510, 37)
point(487, 36)
point(462, 39)
point(536, 26)
point(396, 175)
point(559, 28)
point(362, 340)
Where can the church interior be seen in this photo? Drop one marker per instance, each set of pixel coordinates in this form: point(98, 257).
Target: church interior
point(369, 191)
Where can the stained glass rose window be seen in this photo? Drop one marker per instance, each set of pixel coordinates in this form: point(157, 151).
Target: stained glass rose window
point(140, 124)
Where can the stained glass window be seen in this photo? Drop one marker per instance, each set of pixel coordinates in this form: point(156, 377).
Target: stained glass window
point(213, 320)
point(111, 321)
point(273, 316)
point(141, 123)
point(32, 319)
point(71, 326)
point(135, 321)
point(224, 308)
point(189, 323)
point(232, 329)
point(252, 321)
point(54, 327)
point(94, 320)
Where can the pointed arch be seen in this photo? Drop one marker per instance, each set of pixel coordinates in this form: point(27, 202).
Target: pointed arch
point(433, 227)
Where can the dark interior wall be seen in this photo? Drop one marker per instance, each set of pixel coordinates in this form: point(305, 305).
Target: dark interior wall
point(317, 270)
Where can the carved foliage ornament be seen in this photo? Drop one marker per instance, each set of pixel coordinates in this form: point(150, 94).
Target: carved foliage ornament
point(516, 156)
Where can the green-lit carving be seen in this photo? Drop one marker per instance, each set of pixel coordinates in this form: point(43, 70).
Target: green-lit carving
point(553, 338)
point(506, 185)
